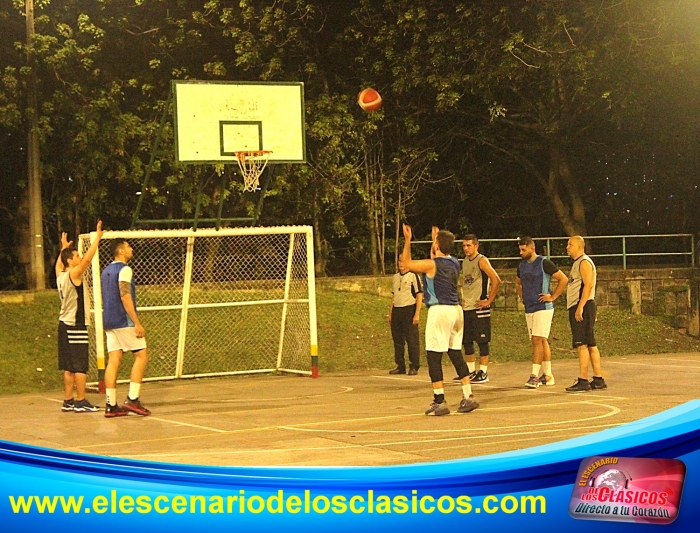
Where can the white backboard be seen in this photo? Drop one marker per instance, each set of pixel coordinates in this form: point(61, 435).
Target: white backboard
point(214, 120)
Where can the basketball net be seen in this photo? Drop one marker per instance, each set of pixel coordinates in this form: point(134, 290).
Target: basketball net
point(252, 163)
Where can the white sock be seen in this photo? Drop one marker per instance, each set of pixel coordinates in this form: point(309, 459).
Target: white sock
point(484, 368)
point(111, 396)
point(471, 366)
point(536, 370)
point(134, 390)
point(467, 390)
point(547, 367)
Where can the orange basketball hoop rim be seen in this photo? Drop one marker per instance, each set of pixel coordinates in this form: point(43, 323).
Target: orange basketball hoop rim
point(251, 164)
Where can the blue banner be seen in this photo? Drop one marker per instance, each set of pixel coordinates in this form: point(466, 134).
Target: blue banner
point(42, 489)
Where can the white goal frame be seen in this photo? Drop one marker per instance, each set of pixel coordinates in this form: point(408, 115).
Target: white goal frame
point(250, 293)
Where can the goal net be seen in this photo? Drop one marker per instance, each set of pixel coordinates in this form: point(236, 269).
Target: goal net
point(232, 301)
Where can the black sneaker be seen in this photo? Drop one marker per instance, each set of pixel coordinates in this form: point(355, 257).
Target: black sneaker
point(598, 383)
point(135, 407)
point(546, 380)
point(479, 377)
point(581, 385)
point(471, 376)
point(412, 371)
point(112, 411)
point(467, 405)
point(84, 406)
point(438, 409)
point(68, 405)
point(397, 370)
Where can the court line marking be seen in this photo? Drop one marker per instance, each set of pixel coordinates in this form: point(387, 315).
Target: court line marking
point(304, 426)
point(354, 446)
point(523, 388)
point(178, 437)
point(613, 411)
point(185, 424)
point(522, 439)
point(288, 398)
point(174, 422)
point(684, 367)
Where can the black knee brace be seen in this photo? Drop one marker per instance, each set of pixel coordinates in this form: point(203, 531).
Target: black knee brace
point(469, 348)
point(483, 348)
point(458, 362)
point(435, 366)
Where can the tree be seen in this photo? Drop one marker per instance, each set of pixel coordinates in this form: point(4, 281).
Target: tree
point(530, 81)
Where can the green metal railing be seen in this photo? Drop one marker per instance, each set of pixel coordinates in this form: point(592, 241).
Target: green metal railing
point(675, 244)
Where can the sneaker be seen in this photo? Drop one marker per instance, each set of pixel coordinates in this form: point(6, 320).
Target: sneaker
point(412, 371)
point(598, 383)
point(467, 405)
point(581, 385)
point(546, 380)
point(479, 377)
point(115, 410)
point(438, 409)
point(397, 370)
point(471, 376)
point(533, 382)
point(68, 405)
point(84, 406)
point(135, 407)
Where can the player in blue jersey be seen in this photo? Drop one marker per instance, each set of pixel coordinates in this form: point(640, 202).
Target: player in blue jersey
point(123, 329)
point(533, 286)
point(443, 330)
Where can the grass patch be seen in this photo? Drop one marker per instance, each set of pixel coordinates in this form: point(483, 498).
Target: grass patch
point(353, 335)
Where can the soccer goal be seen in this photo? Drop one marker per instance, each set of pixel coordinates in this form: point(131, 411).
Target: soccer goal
point(214, 303)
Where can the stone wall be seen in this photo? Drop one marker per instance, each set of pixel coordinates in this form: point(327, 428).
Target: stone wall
point(670, 292)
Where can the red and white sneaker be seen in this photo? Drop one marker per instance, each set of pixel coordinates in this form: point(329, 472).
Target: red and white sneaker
point(135, 406)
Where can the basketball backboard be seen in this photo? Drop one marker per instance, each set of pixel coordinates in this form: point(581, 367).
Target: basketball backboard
point(215, 120)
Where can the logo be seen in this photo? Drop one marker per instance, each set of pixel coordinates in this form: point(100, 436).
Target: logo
point(468, 279)
point(628, 489)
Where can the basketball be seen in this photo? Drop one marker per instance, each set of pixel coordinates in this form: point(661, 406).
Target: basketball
point(369, 99)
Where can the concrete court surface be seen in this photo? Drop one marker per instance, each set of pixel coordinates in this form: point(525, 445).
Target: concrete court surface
point(362, 418)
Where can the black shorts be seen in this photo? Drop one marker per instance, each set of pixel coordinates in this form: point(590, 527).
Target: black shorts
point(477, 326)
point(73, 348)
point(582, 332)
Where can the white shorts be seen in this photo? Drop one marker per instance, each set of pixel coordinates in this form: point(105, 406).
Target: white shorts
point(539, 323)
point(124, 339)
point(444, 328)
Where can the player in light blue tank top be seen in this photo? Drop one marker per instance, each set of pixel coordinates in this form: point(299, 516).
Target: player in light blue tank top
point(443, 331)
point(443, 288)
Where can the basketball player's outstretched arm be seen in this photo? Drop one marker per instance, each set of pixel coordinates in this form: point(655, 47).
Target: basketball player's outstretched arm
point(420, 266)
point(65, 243)
point(76, 273)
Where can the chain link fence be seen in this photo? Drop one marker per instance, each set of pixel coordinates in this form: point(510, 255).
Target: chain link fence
point(214, 302)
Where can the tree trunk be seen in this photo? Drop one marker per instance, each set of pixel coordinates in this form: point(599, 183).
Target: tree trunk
point(37, 279)
point(371, 219)
point(570, 209)
point(321, 255)
point(398, 232)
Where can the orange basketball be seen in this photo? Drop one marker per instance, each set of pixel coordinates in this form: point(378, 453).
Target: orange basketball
point(369, 99)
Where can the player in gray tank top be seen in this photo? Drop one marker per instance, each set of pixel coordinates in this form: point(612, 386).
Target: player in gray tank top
point(479, 284)
point(580, 301)
point(72, 329)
